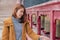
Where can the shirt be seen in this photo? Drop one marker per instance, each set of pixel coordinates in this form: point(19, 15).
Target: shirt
point(18, 28)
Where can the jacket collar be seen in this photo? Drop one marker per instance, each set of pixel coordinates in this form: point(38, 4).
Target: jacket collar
point(11, 21)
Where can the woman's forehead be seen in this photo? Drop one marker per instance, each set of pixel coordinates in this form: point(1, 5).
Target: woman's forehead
point(21, 9)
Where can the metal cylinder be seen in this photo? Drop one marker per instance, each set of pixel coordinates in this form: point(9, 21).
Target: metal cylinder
point(47, 25)
point(58, 28)
point(42, 22)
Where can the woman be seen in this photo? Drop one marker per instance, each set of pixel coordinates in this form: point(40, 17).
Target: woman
point(16, 26)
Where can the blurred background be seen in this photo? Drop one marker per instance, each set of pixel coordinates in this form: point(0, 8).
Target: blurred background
point(6, 7)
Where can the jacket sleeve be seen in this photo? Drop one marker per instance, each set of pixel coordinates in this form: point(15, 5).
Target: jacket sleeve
point(5, 34)
point(31, 33)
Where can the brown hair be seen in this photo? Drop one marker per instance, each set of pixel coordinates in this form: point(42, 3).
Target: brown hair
point(17, 7)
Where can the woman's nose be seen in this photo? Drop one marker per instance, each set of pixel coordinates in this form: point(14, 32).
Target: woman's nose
point(21, 13)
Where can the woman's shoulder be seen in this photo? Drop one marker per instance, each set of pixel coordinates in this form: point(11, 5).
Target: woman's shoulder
point(7, 20)
point(27, 21)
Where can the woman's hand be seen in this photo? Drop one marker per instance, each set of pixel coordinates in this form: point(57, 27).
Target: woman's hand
point(43, 38)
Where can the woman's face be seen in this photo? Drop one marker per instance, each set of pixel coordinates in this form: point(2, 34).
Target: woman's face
point(20, 12)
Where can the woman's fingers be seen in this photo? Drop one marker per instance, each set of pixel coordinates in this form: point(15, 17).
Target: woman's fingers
point(44, 38)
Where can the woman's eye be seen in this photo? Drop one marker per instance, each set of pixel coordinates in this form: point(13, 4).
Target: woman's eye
point(22, 11)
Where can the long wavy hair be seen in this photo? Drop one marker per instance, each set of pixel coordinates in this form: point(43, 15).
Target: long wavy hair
point(17, 7)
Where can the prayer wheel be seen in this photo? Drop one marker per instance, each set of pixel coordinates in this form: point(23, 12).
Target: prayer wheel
point(42, 22)
point(58, 28)
point(47, 25)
